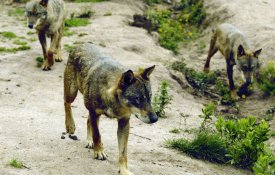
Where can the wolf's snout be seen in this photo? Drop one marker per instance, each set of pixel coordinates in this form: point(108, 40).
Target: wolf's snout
point(153, 117)
point(30, 26)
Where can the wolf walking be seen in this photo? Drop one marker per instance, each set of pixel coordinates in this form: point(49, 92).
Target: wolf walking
point(234, 46)
point(47, 17)
point(108, 88)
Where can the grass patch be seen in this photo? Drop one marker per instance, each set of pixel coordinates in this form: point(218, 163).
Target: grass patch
point(31, 33)
point(89, 0)
point(33, 39)
point(16, 164)
point(15, 49)
point(16, 12)
point(9, 35)
point(175, 130)
point(176, 25)
point(18, 42)
point(266, 79)
point(82, 34)
point(68, 47)
point(76, 22)
point(39, 61)
point(207, 146)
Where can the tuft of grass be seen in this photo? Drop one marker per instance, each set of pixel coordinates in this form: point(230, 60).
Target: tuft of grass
point(86, 14)
point(266, 79)
point(108, 14)
point(68, 47)
point(14, 50)
point(76, 22)
point(272, 133)
point(175, 130)
point(16, 164)
point(67, 32)
point(16, 12)
point(90, 0)
point(82, 34)
point(39, 61)
point(33, 39)
point(9, 35)
point(207, 146)
point(18, 42)
point(31, 33)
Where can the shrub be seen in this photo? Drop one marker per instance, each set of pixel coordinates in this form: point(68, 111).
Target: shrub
point(266, 79)
point(207, 146)
point(161, 99)
point(244, 139)
point(207, 113)
point(265, 165)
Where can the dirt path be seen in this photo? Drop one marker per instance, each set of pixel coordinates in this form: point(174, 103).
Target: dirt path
point(32, 114)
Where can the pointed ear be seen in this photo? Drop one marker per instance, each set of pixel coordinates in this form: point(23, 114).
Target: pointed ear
point(241, 51)
point(257, 53)
point(44, 3)
point(127, 79)
point(145, 74)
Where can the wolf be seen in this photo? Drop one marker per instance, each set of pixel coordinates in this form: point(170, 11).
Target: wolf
point(235, 47)
point(108, 89)
point(48, 18)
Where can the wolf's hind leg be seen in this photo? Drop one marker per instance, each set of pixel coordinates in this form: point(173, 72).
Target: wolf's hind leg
point(212, 50)
point(70, 92)
point(58, 56)
point(89, 134)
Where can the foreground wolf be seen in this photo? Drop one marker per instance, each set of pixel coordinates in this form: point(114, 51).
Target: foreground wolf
point(108, 88)
point(47, 17)
point(235, 47)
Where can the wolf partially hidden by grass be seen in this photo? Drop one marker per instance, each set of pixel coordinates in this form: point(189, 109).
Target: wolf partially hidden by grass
point(235, 47)
point(47, 17)
point(108, 88)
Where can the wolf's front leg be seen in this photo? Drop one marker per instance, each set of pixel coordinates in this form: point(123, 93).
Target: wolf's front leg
point(232, 88)
point(43, 42)
point(122, 135)
point(97, 146)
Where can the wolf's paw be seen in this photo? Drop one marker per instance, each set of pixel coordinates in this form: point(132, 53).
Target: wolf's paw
point(100, 155)
point(90, 145)
point(234, 95)
point(46, 68)
point(206, 70)
point(58, 58)
point(125, 172)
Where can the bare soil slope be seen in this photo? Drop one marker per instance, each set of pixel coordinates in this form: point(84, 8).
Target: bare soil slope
point(31, 100)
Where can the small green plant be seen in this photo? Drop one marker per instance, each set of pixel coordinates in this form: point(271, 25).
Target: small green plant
point(175, 130)
point(16, 12)
point(9, 35)
point(68, 47)
point(207, 114)
point(265, 165)
point(67, 32)
point(244, 139)
point(39, 61)
point(76, 22)
point(272, 133)
point(266, 79)
point(14, 50)
point(224, 92)
point(107, 14)
point(162, 99)
point(16, 164)
point(89, 0)
point(82, 34)
point(31, 33)
point(18, 42)
point(207, 146)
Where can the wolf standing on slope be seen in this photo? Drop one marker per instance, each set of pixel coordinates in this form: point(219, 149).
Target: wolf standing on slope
point(108, 88)
point(47, 17)
point(234, 46)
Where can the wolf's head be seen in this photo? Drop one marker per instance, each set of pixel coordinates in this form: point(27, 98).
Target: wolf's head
point(136, 94)
point(248, 63)
point(36, 12)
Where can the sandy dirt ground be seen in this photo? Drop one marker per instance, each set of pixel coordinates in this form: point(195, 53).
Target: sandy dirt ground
point(31, 100)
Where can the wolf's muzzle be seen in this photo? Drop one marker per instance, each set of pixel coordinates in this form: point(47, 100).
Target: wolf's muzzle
point(153, 117)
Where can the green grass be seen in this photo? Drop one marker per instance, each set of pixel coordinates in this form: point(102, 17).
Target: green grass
point(39, 61)
point(16, 12)
point(77, 22)
point(207, 146)
point(175, 130)
point(68, 47)
point(15, 49)
point(272, 133)
point(18, 42)
point(90, 0)
point(33, 39)
point(9, 35)
point(31, 33)
point(266, 79)
point(16, 164)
